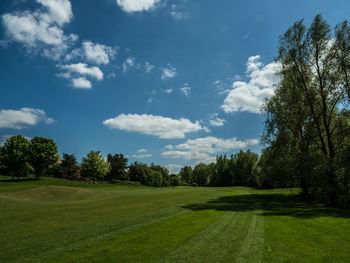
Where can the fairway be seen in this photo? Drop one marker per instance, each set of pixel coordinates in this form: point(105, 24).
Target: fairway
point(56, 220)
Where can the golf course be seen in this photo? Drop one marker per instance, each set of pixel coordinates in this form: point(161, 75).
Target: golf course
point(57, 220)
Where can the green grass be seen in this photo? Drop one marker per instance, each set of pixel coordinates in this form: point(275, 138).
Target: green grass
point(56, 220)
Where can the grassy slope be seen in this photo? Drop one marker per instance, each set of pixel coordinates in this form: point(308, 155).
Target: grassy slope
point(55, 220)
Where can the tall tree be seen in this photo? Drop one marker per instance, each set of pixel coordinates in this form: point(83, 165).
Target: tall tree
point(15, 156)
point(69, 166)
point(118, 164)
point(43, 155)
point(308, 61)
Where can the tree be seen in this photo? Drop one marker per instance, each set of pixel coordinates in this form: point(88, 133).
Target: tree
point(43, 155)
point(137, 171)
point(201, 174)
point(305, 106)
point(15, 156)
point(118, 164)
point(95, 166)
point(69, 167)
point(186, 175)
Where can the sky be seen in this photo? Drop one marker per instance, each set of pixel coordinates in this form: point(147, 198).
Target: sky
point(174, 82)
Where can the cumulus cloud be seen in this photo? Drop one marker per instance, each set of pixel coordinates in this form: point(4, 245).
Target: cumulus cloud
point(78, 73)
point(131, 6)
point(162, 127)
point(141, 150)
point(19, 119)
point(249, 96)
point(81, 83)
point(83, 69)
point(205, 149)
point(149, 67)
point(41, 29)
point(217, 122)
point(60, 11)
point(94, 53)
point(168, 72)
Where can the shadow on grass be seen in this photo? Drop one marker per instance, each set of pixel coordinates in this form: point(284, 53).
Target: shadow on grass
point(271, 205)
point(18, 180)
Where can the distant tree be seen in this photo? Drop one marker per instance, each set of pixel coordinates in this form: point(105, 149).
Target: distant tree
point(94, 166)
point(175, 180)
point(136, 171)
point(42, 154)
point(164, 172)
point(186, 174)
point(118, 164)
point(201, 174)
point(69, 167)
point(15, 156)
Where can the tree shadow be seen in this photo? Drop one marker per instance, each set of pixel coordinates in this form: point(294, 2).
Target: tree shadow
point(15, 180)
point(271, 205)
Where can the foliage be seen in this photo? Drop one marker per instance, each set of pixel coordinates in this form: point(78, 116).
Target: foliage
point(69, 167)
point(118, 164)
point(303, 119)
point(95, 166)
point(14, 156)
point(186, 175)
point(42, 155)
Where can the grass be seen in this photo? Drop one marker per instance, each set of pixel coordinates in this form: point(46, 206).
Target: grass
point(56, 220)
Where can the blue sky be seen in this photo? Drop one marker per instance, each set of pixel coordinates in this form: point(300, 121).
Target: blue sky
point(171, 82)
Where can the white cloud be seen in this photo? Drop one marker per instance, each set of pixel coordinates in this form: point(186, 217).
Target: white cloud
point(217, 122)
point(128, 63)
point(93, 53)
point(81, 83)
point(149, 67)
point(205, 149)
point(141, 150)
point(130, 6)
point(42, 29)
point(19, 119)
point(60, 11)
point(170, 147)
point(141, 156)
point(186, 90)
point(162, 127)
point(168, 72)
point(84, 70)
point(249, 96)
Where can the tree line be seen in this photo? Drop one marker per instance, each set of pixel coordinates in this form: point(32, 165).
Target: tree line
point(20, 158)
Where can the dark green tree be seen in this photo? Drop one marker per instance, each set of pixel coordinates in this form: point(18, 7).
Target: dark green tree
point(15, 156)
point(43, 155)
point(186, 175)
point(118, 164)
point(69, 167)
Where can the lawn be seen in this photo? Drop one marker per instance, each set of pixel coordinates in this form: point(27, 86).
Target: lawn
point(56, 220)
